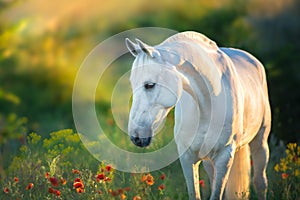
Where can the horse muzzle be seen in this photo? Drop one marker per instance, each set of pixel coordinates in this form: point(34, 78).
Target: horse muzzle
point(141, 142)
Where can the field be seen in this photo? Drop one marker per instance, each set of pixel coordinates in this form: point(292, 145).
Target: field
point(42, 47)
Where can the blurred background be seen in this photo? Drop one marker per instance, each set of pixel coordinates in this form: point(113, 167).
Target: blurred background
point(43, 43)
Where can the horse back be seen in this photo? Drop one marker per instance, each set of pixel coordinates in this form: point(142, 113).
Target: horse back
point(251, 92)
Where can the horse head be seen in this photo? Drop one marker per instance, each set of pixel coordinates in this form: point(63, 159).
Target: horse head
point(156, 87)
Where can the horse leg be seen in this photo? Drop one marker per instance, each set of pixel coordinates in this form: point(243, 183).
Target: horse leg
point(222, 164)
point(190, 167)
point(209, 170)
point(260, 157)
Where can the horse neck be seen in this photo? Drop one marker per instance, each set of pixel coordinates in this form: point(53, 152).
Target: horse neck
point(199, 87)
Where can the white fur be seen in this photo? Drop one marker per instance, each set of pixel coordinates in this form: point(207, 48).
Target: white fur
point(221, 109)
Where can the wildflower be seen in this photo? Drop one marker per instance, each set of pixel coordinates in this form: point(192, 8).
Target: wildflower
point(57, 193)
point(127, 189)
point(201, 182)
point(108, 168)
point(54, 181)
point(79, 190)
point(6, 190)
point(100, 177)
point(123, 196)
point(113, 193)
point(284, 175)
point(276, 168)
point(161, 187)
point(106, 179)
point(63, 181)
point(51, 190)
point(137, 198)
point(120, 191)
point(47, 175)
point(162, 177)
point(75, 171)
point(16, 179)
point(29, 186)
point(78, 185)
point(296, 172)
point(148, 179)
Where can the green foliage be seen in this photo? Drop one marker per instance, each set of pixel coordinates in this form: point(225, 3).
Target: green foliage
point(287, 174)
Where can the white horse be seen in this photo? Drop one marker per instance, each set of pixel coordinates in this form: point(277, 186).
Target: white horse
point(221, 109)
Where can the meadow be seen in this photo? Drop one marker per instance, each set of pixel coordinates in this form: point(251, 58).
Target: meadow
point(41, 49)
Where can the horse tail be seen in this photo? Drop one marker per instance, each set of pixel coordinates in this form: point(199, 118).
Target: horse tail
point(238, 184)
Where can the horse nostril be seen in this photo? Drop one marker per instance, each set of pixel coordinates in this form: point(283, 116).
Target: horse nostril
point(137, 141)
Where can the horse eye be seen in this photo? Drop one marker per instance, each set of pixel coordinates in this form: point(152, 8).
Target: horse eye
point(148, 86)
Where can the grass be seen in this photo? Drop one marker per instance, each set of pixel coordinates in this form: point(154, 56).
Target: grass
point(59, 167)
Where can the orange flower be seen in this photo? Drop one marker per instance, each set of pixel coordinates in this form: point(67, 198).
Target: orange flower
point(123, 196)
point(54, 181)
point(47, 175)
point(57, 193)
point(16, 179)
point(108, 168)
point(163, 176)
point(284, 175)
point(148, 179)
point(63, 181)
point(78, 185)
point(137, 198)
point(201, 182)
point(29, 186)
point(6, 190)
point(75, 171)
point(161, 187)
point(79, 190)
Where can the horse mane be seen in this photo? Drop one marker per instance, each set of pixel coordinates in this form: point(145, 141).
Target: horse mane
point(199, 51)
point(192, 36)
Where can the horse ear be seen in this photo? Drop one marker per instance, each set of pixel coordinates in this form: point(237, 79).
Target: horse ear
point(132, 47)
point(149, 50)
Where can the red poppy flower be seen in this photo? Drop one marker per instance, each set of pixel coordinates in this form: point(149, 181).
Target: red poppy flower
point(6, 190)
point(120, 191)
point(51, 190)
point(47, 175)
point(113, 193)
point(78, 185)
point(161, 187)
point(284, 175)
point(16, 179)
point(75, 171)
point(29, 186)
point(100, 177)
point(148, 179)
point(57, 193)
point(163, 176)
point(108, 168)
point(127, 189)
point(201, 182)
point(54, 181)
point(79, 190)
